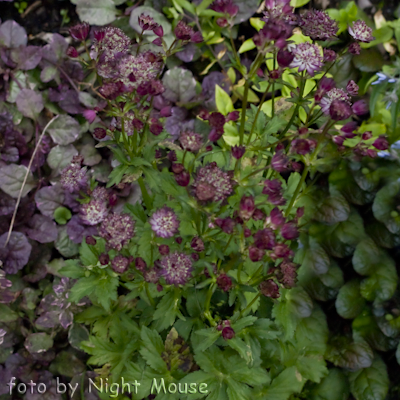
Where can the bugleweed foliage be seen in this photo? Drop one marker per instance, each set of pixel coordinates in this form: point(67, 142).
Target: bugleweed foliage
point(218, 233)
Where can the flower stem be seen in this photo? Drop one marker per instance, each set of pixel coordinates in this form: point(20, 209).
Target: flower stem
point(244, 107)
point(298, 188)
point(207, 313)
point(250, 304)
point(145, 194)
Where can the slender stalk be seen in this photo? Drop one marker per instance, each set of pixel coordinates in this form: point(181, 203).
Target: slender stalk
point(26, 178)
point(257, 114)
point(207, 313)
point(296, 110)
point(145, 194)
point(250, 304)
point(298, 188)
point(244, 107)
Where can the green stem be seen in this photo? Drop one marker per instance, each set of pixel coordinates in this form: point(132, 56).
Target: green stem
point(148, 294)
point(298, 188)
point(250, 304)
point(296, 110)
point(207, 313)
point(145, 194)
point(244, 107)
point(257, 114)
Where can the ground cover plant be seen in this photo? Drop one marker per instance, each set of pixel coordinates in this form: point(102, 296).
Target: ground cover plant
point(200, 198)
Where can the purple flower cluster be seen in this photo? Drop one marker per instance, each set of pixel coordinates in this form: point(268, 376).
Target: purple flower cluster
point(307, 57)
point(176, 268)
point(318, 25)
point(117, 230)
point(164, 222)
point(361, 32)
point(211, 183)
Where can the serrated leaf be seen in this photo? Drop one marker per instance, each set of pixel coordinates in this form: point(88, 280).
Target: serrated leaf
point(151, 349)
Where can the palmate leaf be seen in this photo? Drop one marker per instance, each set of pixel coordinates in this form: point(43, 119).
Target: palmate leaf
point(115, 353)
point(167, 311)
point(227, 376)
point(151, 349)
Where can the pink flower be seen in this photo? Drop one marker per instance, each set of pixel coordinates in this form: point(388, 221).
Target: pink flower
point(307, 57)
point(361, 31)
point(90, 115)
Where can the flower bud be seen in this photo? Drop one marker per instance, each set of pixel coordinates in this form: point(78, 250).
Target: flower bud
point(183, 178)
point(256, 254)
point(197, 244)
point(224, 282)
point(228, 333)
point(72, 52)
point(195, 256)
point(277, 217)
point(163, 249)
point(258, 215)
point(355, 48)
point(366, 135)
point(360, 107)
point(247, 207)
point(140, 264)
point(90, 240)
point(159, 31)
point(284, 58)
point(104, 259)
point(269, 289)
point(226, 224)
point(289, 231)
point(178, 240)
point(381, 143)
point(177, 168)
point(238, 151)
point(80, 31)
point(340, 110)
point(352, 88)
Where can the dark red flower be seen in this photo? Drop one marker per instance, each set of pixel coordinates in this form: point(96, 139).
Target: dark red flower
point(277, 218)
point(183, 178)
point(99, 133)
point(360, 107)
point(90, 240)
point(80, 31)
point(140, 264)
point(256, 254)
point(289, 231)
point(163, 249)
point(284, 58)
point(340, 110)
point(258, 215)
point(247, 207)
point(72, 52)
point(104, 259)
point(224, 282)
point(381, 143)
point(269, 289)
point(264, 239)
point(228, 333)
point(226, 224)
point(355, 48)
point(238, 151)
point(225, 7)
point(197, 244)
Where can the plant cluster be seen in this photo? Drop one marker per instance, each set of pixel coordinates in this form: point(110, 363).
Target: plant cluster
point(212, 226)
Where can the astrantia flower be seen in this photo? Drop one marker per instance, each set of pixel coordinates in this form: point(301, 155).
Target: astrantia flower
point(186, 33)
point(176, 268)
point(333, 94)
point(289, 270)
point(144, 68)
point(273, 189)
point(215, 177)
point(340, 110)
point(307, 57)
point(225, 7)
point(352, 88)
point(117, 230)
point(264, 239)
point(93, 212)
point(355, 49)
point(80, 31)
point(120, 264)
point(100, 193)
point(111, 90)
point(361, 31)
point(164, 222)
point(191, 141)
point(329, 55)
point(318, 25)
point(146, 22)
point(73, 178)
point(152, 275)
point(111, 41)
point(224, 282)
point(269, 289)
point(277, 9)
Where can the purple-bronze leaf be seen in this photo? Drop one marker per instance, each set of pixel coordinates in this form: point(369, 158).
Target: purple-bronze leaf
point(47, 320)
point(30, 103)
point(12, 35)
point(48, 199)
point(27, 58)
point(42, 229)
point(16, 254)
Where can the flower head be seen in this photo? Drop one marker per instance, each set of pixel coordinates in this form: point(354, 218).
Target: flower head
point(117, 230)
point(278, 9)
point(331, 95)
point(146, 22)
point(318, 25)
point(164, 222)
point(186, 33)
point(352, 88)
point(238, 151)
point(273, 189)
point(355, 48)
point(269, 289)
point(219, 180)
point(80, 31)
point(228, 333)
point(120, 264)
point(361, 31)
point(329, 55)
point(264, 239)
point(73, 178)
point(340, 110)
point(93, 212)
point(225, 7)
point(191, 141)
point(224, 282)
point(307, 57)
point(176, 268)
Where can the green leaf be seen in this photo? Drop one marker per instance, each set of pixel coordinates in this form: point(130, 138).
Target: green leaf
point(247, 46)
point(333, 209)
point(7, 314)
point(370, 383)
point(298, 3)
point(62, 215)
point(72, 270)
point(381, 285)
point(288, 382)
point(84, 287)
point(12, 177)
point(349, 302)
point(38, 342)
point(316, 259)
point(223, 101)
point(333, 387)
point(365, 256)
point(96, 12)
point(64, 130)
point(116, 175)
point(209, 337)
point(151, 349)
point(167, 311)
point(86, 254)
